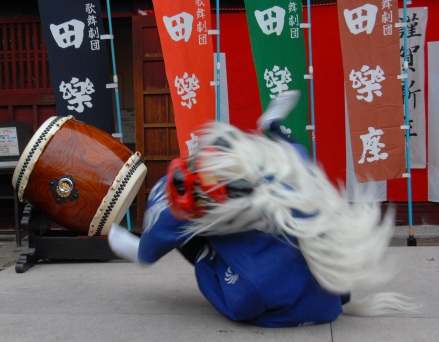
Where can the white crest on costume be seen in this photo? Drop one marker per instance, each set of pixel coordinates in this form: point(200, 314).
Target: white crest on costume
point(285, 130)
point(231, 277)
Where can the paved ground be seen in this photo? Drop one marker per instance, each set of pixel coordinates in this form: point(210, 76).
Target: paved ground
point(9, 252)
point(119, 301)
point(425, 236)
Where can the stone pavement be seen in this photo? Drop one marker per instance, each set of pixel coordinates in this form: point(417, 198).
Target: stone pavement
point(9, 252)
point(425, 235)
point(119, 301)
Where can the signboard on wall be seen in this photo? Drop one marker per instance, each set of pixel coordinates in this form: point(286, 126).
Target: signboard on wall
point(128, 118)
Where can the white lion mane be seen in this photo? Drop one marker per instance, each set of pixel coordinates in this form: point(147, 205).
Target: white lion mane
point(342, 242)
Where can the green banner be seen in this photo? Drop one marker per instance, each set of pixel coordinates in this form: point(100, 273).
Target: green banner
point(279, 55)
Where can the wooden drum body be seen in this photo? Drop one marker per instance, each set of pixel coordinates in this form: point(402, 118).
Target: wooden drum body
point(78, 175)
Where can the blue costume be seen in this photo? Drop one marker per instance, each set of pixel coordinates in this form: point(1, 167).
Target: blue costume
point(263, 210)
point(252, 276)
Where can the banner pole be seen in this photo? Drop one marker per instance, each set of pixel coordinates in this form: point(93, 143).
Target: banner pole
point(411, 241)
point(116, 91)
point(218, 65)
point(311, 84)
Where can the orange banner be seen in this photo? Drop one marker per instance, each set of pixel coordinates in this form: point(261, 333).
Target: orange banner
point(371, 62)
point(187, 50)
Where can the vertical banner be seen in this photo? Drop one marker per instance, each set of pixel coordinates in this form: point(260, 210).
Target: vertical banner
point(224, 89)
point(78, 60)
point(353, 187)
point(370, 50)
point(187, 50)
point(417, 25)
point(433, 121)
point(279, 55)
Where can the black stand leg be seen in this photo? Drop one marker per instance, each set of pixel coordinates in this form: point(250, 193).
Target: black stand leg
point(25, 261)
point(34, 223)
point(49, 244)
point(411, 241)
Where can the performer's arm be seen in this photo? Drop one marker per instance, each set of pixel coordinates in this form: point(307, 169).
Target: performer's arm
point(161, 231)
point(277, 110)
point(161, 234)
point(275, 132)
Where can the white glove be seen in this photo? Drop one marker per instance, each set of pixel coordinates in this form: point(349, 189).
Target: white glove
point(124, 244)
point(278, 108)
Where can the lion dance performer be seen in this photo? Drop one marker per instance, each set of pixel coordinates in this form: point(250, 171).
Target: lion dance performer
point(273, 242)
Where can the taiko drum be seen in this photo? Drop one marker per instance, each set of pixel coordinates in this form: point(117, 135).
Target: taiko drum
point(78, 175)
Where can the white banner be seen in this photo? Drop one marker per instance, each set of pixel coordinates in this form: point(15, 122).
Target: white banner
point(433, 138)
point(224, 93)
point(417, 24)
point(353, 187)
point(433, 121)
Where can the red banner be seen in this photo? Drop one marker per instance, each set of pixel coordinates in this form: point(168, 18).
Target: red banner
point(371, 63)
point(187, 50)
